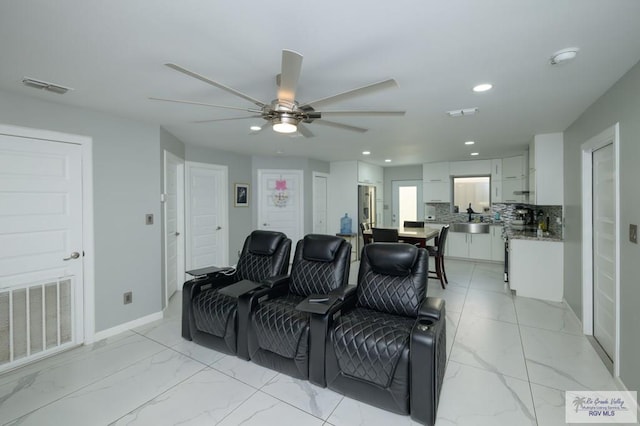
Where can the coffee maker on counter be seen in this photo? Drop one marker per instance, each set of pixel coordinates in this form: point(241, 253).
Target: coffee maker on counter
point(524, 219)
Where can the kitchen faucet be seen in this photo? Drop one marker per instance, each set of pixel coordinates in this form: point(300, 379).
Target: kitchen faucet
point(470, 211)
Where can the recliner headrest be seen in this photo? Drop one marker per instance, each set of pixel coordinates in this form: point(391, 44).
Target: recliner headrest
point(321, 248)
point(265, 243)
point(391, 258)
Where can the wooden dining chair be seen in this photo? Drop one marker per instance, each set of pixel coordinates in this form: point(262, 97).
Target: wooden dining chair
point(385, 235)
point(437, 252)
point(366, 238)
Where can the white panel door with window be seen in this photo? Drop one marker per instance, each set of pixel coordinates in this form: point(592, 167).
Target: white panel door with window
point(281, 202)
point(41, 248)
point(407, 201)
point(207, 238)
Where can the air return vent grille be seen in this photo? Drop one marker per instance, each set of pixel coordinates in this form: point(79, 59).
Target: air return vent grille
point(50, 87)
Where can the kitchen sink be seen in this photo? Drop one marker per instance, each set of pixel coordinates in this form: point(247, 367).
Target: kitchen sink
point(471, 228)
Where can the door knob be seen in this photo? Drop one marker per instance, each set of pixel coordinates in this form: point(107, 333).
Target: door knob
point(218, 228)
point(265, 224)
point(177, 233)
point(73, 255)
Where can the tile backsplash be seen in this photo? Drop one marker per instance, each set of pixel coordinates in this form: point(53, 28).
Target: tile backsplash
point(444, 214)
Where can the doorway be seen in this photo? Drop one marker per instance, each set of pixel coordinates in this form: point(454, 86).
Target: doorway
point(46, 237)
point(207, 215)
point(173, 230)
point(600, 238)
point(406, 201)
point(280, 202)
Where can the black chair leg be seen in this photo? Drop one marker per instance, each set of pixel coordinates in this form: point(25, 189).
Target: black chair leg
point(439, 272)
point(444, 273)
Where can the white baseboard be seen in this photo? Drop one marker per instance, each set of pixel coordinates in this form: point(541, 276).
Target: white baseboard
point(126, 326)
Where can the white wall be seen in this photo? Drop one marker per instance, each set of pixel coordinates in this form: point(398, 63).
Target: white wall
point(620, 104)
point(126, 176)
point(342, 194)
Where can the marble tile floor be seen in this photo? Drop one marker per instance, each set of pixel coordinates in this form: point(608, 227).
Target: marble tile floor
point(509, 361)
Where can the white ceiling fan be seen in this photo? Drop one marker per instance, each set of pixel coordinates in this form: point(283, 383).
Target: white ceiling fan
point(285, 114)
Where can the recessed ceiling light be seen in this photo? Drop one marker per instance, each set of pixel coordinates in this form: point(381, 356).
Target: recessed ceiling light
point(366, 152)
point(564, 55)
point(483, 87)
point(474, 154)
point(469, 142)
point(279, 152)
point(255, 128)
point(388, 160)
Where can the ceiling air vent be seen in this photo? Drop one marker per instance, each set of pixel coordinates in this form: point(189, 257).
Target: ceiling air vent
point(50, 87)
point(462, 112)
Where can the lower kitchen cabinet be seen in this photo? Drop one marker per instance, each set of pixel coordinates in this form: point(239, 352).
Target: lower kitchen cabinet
point(497, 243)
point(536, 269)
point(469, 246)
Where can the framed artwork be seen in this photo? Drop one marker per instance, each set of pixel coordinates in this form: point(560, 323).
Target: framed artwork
point(241, 195)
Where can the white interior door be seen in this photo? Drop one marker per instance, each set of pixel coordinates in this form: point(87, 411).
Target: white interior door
point(319, 203)
point(406, 201)
point(207, 238)
point(173, 223)
point(280, 202)
point(41, 248)
point(604, 251)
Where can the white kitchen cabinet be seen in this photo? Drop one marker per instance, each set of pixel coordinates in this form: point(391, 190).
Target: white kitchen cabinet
point(512, 191)
point(496, 169)
point(436, 192)
point(514, 168)
point(497, 243)
point(436, 172)
point(496, 180)
point(370, 174)
point(514, 179)
point(536, 269)
point(470, 168)
point(469, 246)
point(546, 170)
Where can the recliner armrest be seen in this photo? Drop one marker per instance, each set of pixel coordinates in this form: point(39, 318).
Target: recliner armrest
point(276, 281)
point(343, 292)
point(432, 307)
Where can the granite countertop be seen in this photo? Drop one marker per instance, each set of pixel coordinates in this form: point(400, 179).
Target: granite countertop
point(532, 235)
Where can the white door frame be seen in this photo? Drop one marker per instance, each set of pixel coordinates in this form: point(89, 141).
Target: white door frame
point(314, 175)
point(225, 211)
point(395, 202)
point(180, 219)
point(85, 305)
point(610, 135)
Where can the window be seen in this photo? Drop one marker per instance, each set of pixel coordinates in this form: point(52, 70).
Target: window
point(472, 190)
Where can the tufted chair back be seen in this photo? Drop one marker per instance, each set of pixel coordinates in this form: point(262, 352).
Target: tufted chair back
point(320, 264)
point(264, 254)
point(392, 278)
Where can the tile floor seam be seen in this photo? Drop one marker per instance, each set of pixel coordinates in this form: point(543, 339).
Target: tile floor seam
point(466, 293)
point(526, 365)
point(239, 405)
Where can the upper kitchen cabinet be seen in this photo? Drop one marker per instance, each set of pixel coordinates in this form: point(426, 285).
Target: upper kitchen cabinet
point(514, 179)
point(436, 185)
point(370, 174)
point(470, 168)
point(546, 170)
point(496, 180)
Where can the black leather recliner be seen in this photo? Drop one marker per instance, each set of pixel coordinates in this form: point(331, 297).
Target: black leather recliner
point(387, 347)
point(210, 318)
point(279, 333)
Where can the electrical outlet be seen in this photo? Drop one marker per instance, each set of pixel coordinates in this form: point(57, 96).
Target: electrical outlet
point(128, 297)
point(633, 233)
point(148, 219)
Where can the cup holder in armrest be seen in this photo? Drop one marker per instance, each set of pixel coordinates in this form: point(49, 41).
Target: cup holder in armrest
point(425, 324)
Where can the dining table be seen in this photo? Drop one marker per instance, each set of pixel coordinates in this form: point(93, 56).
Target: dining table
point(419, 236)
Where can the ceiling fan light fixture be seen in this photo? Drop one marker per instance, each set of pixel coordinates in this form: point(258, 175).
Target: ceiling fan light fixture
point(285, 123)
point(564, 55)
point(482, 87)
point(255, 128)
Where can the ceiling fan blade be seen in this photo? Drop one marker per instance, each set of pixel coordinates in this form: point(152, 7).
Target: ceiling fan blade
point(179, 101)
point(362, 112)
point(291, 66)
point(353, 93)
point(215, 83)
point(340, 126)
point(226, 119)
point(304, 131)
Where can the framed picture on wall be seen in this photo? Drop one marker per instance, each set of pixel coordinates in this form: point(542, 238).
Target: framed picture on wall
point(241, 195)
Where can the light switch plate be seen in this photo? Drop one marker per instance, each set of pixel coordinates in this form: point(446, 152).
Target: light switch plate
point(148, 219)
point(633, 233)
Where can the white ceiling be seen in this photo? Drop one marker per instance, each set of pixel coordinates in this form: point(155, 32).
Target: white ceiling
point(112, 53)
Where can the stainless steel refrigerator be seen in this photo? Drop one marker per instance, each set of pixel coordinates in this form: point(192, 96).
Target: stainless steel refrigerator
point(366, 210)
